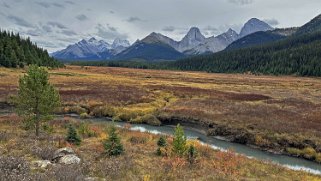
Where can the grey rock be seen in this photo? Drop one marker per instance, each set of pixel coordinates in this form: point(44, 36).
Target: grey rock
point(62, 152)
point(69, 159)
point(41, 164)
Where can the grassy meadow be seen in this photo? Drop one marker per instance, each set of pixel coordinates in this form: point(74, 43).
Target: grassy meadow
point(279, 114)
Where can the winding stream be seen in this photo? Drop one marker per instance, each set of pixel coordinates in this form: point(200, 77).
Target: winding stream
point(215, 143)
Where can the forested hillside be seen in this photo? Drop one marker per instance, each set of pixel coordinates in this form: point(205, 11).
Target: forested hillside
point(18, 52)
point(298, 55)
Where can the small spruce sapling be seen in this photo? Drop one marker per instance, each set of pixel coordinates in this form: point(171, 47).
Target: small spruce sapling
point(72, 136)
point(112, 145)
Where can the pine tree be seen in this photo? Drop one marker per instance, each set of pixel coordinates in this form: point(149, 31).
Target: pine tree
point(179, 142)
point(191, 154)
point(37, 98)
point(72, 136)
point(161, 143)
point(112, 145)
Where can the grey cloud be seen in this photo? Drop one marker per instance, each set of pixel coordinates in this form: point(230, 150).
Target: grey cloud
point(272, 22)
point(112, 12)
point(68, 32)
point(169, 28)
point(108, 32)
point(6, 5)
point(133, 19)
point(56, 24)
point(19, 21)
point(48, 5)
point(47, 28)
point(82, 17)
point(210, 30)
point(241, 2)
point(44, 4)
point(69, 2)
point(58, 5)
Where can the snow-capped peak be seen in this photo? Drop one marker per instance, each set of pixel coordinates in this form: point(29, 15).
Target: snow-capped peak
point(120, 43)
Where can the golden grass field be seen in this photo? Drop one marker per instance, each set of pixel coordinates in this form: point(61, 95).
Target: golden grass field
point(274, 113)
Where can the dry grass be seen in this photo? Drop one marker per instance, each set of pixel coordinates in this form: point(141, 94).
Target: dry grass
point(284, 111)
point(137, 163)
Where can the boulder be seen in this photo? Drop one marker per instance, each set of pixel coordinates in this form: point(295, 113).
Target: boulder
point(69, 159)
point(41, 164)
point(62, 152)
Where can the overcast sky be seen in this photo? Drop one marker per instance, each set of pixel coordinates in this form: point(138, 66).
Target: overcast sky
point(54, 24)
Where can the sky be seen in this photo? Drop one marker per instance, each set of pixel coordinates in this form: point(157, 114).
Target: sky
point(54, 24)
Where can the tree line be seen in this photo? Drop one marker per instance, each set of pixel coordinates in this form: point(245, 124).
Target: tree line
point(18, 52)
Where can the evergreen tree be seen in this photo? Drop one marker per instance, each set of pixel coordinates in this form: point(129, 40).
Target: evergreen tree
point(15, 51)
point(161, 143)
point(112, 145)
point(72, 135)
point(37, 98)
point(191, 154)
point(179, 142)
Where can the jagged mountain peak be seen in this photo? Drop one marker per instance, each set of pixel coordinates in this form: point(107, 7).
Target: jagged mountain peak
point(193, 38)
point(254, 25)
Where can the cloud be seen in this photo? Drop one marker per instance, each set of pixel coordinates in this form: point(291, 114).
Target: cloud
point(169, 28)
point(47, 28)
point(58, 5)
point(56, 24)
point(69, 2)
point(133, 19)
point(19, 21)
point(48, 5)
point(44, 4)
point(68, 32)
point(272, 22)
point(241, 2)
point(112, 12)
point(82, 17)
point(6, 5)
point(210, 30)
point(108, 32)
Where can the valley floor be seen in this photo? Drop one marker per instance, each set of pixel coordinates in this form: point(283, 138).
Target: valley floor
point(278, 114)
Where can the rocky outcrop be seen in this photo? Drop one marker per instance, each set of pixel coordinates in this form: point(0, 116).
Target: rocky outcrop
point(66, 156)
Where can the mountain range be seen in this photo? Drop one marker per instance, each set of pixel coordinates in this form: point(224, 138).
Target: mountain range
point(159, 47)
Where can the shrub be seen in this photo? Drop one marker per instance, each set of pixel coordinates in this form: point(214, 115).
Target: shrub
point(103, 111)
point(151, 120)
point(318, 158)
point(294, 151)
point(138, 140)
point(191, 154)
point(179, 142)
point(44, 153)
point(72, 136)
point(85, 131)
point(12, 168)
point(112, 145)
point(309, 153)
point(84, 116)
point(162, 142)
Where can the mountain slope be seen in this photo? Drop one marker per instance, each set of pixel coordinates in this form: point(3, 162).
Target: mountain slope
point(91, 49)
point(299, 55)
point(313, 26)
point(153, 47)
point(16, 51)
point(258, 38)
point(254, 25)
